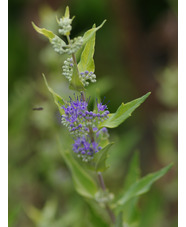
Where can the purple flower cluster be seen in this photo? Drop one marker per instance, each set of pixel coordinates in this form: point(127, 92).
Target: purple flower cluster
point(83, 125)
point(77, 118)
point(84, 146)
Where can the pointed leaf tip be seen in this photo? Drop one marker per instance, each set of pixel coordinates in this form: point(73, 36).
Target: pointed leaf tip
point(57, 19)
point(103, 22)
point(123, 112)
point(142, 186)
point(50, 35)
point(67, 12)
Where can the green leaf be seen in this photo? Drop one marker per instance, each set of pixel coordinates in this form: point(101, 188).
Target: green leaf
point(57, 98)
point(44, 217)
point(87, 61)
point(83, 182)
point(133, 173)
point(141, 186)
point(131, 212)
point(101, 158)
point(34, 214)
point(130, 208)
point(119, 221)
point(75, 83)
point(123, 112)
point(50, 35)
point(49, 210)
point(96, 216)
point(86, 37)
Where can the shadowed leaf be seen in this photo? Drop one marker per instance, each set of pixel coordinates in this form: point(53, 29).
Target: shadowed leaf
point(101, 158)
point(83, 182)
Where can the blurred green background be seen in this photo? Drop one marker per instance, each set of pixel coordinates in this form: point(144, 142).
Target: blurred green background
point(136, 52)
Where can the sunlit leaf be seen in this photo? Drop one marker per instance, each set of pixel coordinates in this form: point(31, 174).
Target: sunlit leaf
point(67, 12)
point(123, 112)
point(75, 83)
point(86, 37)
point(87, 61)
point(50, 35)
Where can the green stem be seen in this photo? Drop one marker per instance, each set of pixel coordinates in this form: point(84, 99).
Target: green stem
point(100, 177)
point(103, 187)
point(73, 55)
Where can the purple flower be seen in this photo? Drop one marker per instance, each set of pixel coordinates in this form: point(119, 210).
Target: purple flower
point(77, 113)
point(95, 129)
point(104, 130)
point(85, 148)
point(101, 107)
point(83, 125)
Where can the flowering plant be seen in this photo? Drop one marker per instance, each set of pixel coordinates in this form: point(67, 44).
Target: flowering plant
point(89, 127)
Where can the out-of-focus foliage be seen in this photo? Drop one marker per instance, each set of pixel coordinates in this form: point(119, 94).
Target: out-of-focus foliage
point(40, 185)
